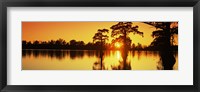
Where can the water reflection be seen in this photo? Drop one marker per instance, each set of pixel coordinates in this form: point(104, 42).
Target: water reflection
point(167, 60)
point(94, 60)
point(60, 54)
point(99, 64)
point(124, 64)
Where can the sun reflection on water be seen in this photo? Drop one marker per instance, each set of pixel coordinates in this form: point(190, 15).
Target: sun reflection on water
point(76, 60)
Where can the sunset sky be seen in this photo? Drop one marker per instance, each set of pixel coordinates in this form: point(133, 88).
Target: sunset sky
point(80, 31)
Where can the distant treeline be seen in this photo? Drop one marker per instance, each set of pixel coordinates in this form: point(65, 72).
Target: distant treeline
point(81, 45)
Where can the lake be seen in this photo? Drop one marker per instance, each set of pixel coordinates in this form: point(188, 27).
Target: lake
point(92, 60)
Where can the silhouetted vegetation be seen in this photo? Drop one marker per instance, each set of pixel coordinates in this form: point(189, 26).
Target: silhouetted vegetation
point(121, 33)
point(100, 37)
point(80, 45)
point(163, 41)
point(60, 54)
point(60, 44)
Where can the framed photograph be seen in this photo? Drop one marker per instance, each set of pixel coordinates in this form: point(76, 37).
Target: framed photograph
point(105, 45)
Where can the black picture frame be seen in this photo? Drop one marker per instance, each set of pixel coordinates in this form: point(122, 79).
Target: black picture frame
point(98, 3)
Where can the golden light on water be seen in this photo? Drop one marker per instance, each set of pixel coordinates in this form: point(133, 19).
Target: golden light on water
point(118, 54)
point(143, 60)
point(85, 59)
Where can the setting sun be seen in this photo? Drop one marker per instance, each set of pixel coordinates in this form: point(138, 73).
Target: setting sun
point(117, 44)
point(101, 45)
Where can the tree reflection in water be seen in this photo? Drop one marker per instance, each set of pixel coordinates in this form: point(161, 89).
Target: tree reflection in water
point(99, 65)
point(59, 54)
point(124, 64)
point(108, 60)
point(164, 40)
point(167, 60)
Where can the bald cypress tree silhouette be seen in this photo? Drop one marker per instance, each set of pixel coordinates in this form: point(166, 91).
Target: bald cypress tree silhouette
point(163, 40)
point(122, 30)
point(101, 37)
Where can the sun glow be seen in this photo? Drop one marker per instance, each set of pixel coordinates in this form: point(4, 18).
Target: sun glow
point(117, 45)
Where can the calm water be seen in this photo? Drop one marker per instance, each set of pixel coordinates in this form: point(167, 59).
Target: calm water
point(91, 60)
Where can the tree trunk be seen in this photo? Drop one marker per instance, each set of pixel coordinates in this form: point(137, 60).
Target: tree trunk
point(124, 53)
point(168, 60)
point(101, 54)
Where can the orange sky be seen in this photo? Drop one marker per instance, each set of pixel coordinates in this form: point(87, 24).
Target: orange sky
point(80, 31)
